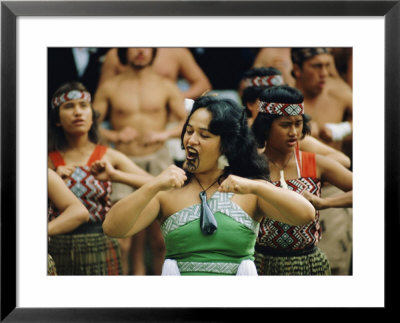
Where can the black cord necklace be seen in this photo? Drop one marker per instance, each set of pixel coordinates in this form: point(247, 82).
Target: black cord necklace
point(208, 223)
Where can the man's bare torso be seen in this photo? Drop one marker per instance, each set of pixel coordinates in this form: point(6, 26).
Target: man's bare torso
point(139, 103)
point(330, 106)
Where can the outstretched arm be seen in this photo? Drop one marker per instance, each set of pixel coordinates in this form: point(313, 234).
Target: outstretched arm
point(274, 202)
point(73, 212)
point(337, 175)
point(139, 209)
point(336, 201)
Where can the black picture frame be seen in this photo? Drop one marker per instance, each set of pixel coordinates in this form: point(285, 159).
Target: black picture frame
point(10, 10)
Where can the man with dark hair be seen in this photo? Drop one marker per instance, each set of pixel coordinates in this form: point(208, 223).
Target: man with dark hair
point(328, 101)
point(140, 103)
point(177, 64)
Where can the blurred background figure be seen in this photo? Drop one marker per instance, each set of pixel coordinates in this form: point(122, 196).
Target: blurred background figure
point(279, 58)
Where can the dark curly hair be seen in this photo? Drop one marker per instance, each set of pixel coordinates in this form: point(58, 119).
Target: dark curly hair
point(56, 135)
point(278, 94)
point(229, 121)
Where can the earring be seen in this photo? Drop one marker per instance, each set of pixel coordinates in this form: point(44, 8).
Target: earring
point(222, 162)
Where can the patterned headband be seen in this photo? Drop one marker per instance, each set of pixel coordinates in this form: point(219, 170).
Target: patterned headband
point(299, 55)
point(282, 109)
point(264, 81)
point(71, 95)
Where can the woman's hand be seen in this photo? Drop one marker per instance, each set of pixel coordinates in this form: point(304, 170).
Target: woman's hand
point(65, 171)
point(172, 177)
point(102, 170)
point(236, 184)
point(316, 201)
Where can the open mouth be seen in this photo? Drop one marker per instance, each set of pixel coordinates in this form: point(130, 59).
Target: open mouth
point(192, 159)
point(191, 153)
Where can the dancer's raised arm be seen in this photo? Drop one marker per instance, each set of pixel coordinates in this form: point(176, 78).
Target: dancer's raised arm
point(274, 202)
point(139, 209)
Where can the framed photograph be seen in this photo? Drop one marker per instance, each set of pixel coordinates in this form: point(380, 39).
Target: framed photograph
point(28, 28)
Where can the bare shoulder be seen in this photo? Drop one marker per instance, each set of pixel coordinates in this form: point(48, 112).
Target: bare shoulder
point(169, 203)
point(174, 51)
point(339, 89)
point(325, 162)
point(166, 82)
point(113, 155)
point(183, 53)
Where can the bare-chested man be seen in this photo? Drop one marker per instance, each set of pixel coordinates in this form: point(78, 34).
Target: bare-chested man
point(176, 64)
point(328, 100)
point(173, 63)
point(140, 103)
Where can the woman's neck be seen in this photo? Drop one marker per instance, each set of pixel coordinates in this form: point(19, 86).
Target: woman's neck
point(208, 178)
point(278, 157)
point(79, 142)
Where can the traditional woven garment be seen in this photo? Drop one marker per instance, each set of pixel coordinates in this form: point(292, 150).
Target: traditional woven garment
point(94, 194)
point(220, 253)
point(283, 249)
point(86, 250)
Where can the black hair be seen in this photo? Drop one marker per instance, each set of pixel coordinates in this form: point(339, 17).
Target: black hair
point(300, 55)
point(251, 93)
point(56, 135)
point(122, 55)
point(229, 121)
point(278, 94)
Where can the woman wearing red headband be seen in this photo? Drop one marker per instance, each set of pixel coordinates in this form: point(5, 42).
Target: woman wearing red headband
point(88, 169)
point(282, 249)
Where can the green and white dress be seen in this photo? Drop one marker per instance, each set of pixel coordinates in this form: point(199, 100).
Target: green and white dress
point(228, 251)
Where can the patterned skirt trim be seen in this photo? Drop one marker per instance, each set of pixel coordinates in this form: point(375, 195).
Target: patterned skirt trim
point(315, 263)
point(172, 267)
point(85, 254)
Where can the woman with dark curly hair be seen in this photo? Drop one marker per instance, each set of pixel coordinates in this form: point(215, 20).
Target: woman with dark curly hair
point(283, 249)
point(88, 169)
point(210, 210)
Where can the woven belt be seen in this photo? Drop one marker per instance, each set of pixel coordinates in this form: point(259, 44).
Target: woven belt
point(268, 251)
point(89, 227)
